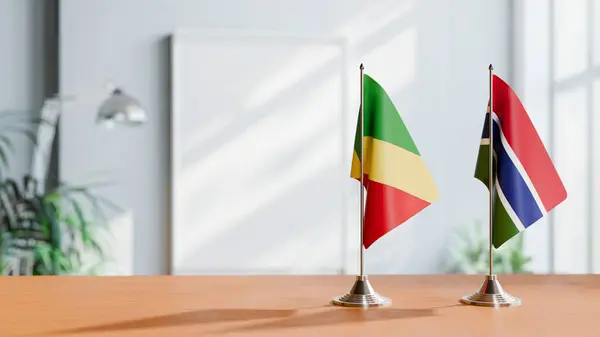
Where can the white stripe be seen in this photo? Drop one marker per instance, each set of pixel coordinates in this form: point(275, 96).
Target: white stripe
point(520, 168)
point(511, 212)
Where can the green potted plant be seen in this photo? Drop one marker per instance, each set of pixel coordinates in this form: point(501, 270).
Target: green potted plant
point(471, 253)
point(46, 231)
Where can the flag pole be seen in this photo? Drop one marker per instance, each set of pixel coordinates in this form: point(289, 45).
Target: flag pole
point(362, 170)
point(490, 293)
point(491, 168)
point(362, 293)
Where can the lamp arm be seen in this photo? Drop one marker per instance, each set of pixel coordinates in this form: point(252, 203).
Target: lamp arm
point(46, 133)
point(109, 87)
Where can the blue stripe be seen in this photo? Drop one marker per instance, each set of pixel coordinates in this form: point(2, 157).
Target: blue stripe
point(513, 185)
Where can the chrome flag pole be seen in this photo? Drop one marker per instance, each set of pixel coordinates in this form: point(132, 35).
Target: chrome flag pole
point(362, 293)
point(491, 293)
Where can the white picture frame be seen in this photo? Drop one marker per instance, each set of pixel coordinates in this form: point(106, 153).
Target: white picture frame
point(192, 247)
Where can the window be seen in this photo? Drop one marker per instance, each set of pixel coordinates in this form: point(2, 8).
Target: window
point(557, 75)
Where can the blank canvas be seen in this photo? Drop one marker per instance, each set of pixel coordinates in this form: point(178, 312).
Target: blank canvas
point(258, 167)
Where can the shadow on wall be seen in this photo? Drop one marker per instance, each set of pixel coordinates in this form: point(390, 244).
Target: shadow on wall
point(292, 178)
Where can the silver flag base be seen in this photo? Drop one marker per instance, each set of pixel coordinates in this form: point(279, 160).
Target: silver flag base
point(491, 294)
point(361, 295)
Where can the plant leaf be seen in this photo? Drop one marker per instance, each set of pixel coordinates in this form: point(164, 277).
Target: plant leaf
point(43, 253)
point(27, 133)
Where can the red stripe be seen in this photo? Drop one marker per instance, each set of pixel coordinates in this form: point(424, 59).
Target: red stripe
point(527, 145)
point(387, 208)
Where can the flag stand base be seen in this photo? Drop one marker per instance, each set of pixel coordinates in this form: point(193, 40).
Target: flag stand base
point(491, 294)
point(361, 295)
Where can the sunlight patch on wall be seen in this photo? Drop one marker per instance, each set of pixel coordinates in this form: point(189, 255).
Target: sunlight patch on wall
point(394, 63)
point(307, 252)
point(275, 153)
point(308, 61)
point(375, 17)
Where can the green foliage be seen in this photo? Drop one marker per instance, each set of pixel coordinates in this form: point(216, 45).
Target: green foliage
point(471, 254)
point(57, 227)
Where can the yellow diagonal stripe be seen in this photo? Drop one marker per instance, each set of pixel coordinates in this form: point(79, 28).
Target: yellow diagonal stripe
point(394, 166)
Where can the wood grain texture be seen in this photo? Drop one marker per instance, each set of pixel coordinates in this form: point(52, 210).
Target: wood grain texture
point(292, 306)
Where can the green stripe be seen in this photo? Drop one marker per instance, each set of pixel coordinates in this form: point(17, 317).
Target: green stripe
point(503, 227)
point(382, 120)
point(482, 168)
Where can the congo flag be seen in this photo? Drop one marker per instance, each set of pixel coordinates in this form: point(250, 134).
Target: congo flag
point(397, 182)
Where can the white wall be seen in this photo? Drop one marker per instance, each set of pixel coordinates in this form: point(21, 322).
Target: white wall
point(431, 56)
point(22, 72)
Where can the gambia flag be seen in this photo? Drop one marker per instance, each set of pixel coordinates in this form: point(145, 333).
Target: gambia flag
point(526, 184)
point(397, 182)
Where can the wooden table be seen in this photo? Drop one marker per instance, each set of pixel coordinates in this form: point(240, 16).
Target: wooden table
point(292, 306)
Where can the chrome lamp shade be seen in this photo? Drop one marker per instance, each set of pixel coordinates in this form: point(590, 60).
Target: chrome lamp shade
point(120, 108)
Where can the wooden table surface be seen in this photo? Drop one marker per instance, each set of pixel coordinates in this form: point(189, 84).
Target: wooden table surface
point(292, 306)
